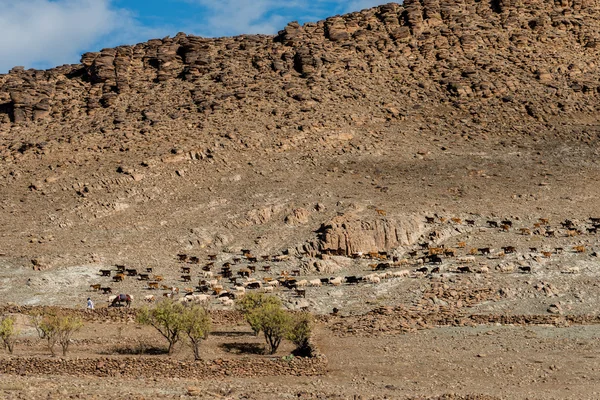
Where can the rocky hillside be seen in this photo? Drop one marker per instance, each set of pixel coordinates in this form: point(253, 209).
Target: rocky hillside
point(205, 144)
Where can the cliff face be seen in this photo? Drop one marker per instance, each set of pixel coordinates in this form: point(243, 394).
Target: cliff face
point(535, 58)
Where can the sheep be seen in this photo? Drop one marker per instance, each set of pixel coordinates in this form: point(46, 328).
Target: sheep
point(240, 289)
point(507, 268)
point(571, 270)
point(207, 274)
point(315, 283)
point(226, 301)
point(268, 289)
point(400, 274)
point(149, 299)
point(336, 281)
point(466, 259)
point(199, 298)
point(111, 298)
point(484, 270)
point(302, 283)
point(273, 283)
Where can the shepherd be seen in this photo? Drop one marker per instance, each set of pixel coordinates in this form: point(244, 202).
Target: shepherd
point(90, 304)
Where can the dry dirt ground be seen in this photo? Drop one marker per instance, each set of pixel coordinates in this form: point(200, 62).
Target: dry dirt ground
point(508, 362)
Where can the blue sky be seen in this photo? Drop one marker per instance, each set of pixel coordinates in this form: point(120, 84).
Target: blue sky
point(46, 33)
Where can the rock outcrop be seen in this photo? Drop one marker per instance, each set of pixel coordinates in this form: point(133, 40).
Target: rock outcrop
point(350, 234)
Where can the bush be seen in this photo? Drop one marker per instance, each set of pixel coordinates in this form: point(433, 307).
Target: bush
point(299, 333)
point(273, 321)
point(167, 318)
point(197, 324)
point(8, 333)
point(57, 328)
point(253, 301)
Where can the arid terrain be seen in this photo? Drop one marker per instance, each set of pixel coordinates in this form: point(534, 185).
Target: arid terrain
point(428, 170)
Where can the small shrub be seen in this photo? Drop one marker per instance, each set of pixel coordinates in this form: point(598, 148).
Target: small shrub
point(167, 318)
point(197, 324)
point(57, 328)
point(8, 333)
point(273, 321)
point(253, 301)
point(299, 333)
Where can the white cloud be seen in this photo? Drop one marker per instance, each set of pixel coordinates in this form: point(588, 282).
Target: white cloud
point(44, 33)
point(358, 5)
point(232, 17)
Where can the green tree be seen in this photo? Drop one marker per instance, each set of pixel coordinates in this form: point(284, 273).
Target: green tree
point(299, 333)
point(253, 301)
point(57, 328)
point(273, 321)
point(8, 333)
point(197, 324)
point(167, 318)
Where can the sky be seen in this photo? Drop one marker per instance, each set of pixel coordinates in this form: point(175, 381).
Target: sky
point(45, 33)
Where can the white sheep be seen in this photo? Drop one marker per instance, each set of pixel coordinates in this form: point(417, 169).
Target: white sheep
point(302, 283)
point(273, 283)
point(400, 274)
point(466, 259)
point(315, 283)
point(268, 289)
point(337, 281)
point(149, 298)
point(207, 274)
point(226, 301)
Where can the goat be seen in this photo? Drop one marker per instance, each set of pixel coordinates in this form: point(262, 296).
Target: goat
point(464, 269)
point(492, 224)
point(118, 278)
point(95, 287)
point(525, 270)
point(436, 251)
point(456, 220)
point(525, 231)
point(106, 290)
point(352, 279)
point(470, 222)
point(509, 249)
point(450, 252)
point(579, 249)
point(484, 250)
point(507, 222)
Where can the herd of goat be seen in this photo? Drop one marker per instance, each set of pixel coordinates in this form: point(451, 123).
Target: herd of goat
point(425, 260)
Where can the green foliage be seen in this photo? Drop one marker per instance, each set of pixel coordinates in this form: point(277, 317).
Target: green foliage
point(273, 321)
point(167, 318)
point(8, 333)
point(57, 328)
point(300, 331)
point(196, 325)
point(253, 301)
